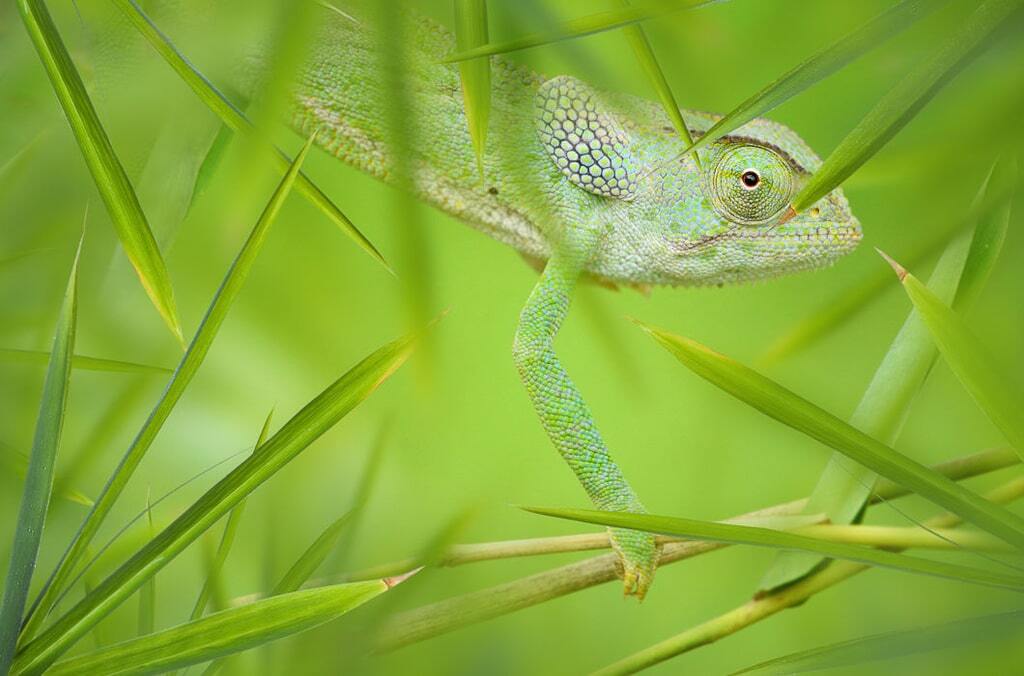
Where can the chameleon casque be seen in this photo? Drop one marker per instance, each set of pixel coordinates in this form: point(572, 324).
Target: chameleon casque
point(584, 183)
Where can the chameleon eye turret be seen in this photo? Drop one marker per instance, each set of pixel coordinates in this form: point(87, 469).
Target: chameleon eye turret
point(750, 184)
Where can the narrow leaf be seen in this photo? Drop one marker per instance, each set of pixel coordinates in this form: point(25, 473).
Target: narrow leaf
point(318, 416)
point(788, 408)
point(968, 358)
point(147, 593)
point(905, 100)
point(310, 560)
point(186, 370)
point(226, 632)
point(110, 178)
point(470, 32)
point(35, 496)
point(763, 537)
point(236, 120)
point(823, 64)
point(82, 362)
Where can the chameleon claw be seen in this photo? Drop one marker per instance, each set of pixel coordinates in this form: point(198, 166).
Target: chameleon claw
point(638, 559)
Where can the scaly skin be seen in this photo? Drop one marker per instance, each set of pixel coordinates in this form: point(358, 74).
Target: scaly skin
point(588, 182)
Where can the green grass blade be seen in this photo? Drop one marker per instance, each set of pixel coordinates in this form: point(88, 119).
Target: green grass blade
point(187, 368)
point(893, 644)
point(580, 27)
point(470, 32)
point(764, 537)
point(905, 100)
point(823, 64)
point(968, 358)
point(35, 496)
point(310, 560)
point(227, 539)
point(108, 174)
point(147, 593)
point(792, 410)
point(82, 362)
point(305, 427)
point(989, 236)
point(236, 120)
point(226, 632)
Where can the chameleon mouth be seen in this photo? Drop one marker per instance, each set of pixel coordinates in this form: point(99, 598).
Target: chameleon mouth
point(841, 237)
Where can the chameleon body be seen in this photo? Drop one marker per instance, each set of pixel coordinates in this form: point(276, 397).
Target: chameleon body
point(587, 183)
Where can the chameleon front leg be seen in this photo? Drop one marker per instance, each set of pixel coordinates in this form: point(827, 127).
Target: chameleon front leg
point(565, 415)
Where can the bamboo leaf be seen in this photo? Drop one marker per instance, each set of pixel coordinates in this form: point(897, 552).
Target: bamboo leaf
point(823, 64)
point(82, 362)
point(894, 644)
point(906, 99)
point(968, 358)
point(582, 26)
point(763, 537)
point(35, 496)
point(186, 370)
point(108, 174)
point(790, 409)
point(226, 632)
point(305, 427)
point(236, 120)
point(315, 554)
point(470, 32)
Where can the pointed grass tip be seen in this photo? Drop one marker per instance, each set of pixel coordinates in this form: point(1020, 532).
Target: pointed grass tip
point(901, 272)
point(395, 580)
point(789, 214)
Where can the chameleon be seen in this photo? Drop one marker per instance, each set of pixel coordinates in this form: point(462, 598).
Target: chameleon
point(586, 184)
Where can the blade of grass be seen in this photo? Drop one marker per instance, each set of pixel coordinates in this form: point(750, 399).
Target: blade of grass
point(226, 632)
point(968, 358)
point(236, 120)
point(183, 374)
point(305, 427)
point(147, 593)
point(227, 539)
point(82, 362)
point(470, 32)
point(788, 408)
point(108, 174)
point(35, 496)
point(314, 555)
point(906, 99)
point(988, 239)
point(577, 28)
point(823, 64)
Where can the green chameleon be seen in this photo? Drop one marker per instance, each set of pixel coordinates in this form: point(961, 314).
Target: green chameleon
point(583, 183)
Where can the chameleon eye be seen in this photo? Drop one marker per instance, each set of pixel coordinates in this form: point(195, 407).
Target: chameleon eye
point(750, 184)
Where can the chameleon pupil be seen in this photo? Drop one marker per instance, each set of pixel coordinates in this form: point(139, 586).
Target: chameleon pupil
point(750, 179)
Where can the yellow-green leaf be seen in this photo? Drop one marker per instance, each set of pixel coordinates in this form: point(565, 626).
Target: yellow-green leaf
point(470, 32)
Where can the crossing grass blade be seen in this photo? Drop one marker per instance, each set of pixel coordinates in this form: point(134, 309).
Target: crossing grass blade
point(470, 32)
point(111, 180)
point(580, 27)
point(227, 539)
point(236, 120)
point(183, 374)
point(82, 362)
point(226, 632)
point(823, 64)
point(906, 99)
point(969, 359)
point(792, 410)
point(35, 496)
point(764, 537)
point(315, 554)
point(960, 633)
point(305, 427)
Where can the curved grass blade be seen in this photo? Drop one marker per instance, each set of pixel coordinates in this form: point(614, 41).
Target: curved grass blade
point(186, 370)
point(823, 64)
point(471, 31)
point(906, 99)
point(894, 644)
point(988, 239)
point(108, 174)
point(577, 28)
point(82, 362)
point(968, 358)
point(305, 427)
point(227, 539)
point(226, 632)
point(790, 409)
point(236, 120)
point(315, 554)
point(776, 539)
point(35, 496)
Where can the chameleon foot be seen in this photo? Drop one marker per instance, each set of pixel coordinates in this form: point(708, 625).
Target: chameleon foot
point(638, 558)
